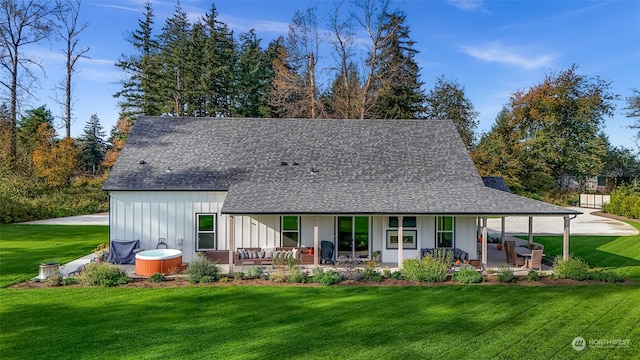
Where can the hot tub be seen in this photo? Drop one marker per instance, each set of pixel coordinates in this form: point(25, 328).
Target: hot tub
point(149, 262)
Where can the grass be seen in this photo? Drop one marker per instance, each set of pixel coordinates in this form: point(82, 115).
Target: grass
point(24, 247)
point(227, 322)
point(618, 253)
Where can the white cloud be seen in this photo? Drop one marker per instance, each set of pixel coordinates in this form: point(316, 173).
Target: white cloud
point(469, 5)
point(496, 52)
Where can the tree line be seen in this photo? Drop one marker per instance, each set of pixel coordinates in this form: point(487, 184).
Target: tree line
point(545, 137)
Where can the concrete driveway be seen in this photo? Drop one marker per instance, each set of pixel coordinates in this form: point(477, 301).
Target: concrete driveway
point(584, 224)
point(94, 219)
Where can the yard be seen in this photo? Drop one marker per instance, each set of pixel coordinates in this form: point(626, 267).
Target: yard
point(475, 321)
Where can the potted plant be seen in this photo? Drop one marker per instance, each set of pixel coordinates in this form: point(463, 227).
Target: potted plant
point(376, 255)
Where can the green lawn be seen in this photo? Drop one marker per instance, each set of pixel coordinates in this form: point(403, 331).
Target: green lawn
point(225, 322)
point(24, 247)
point(617, 253)
point(245, 322)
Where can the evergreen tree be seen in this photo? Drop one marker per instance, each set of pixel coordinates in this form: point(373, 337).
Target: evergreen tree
point(28, 137)
point(141, 89)
point(447, 100)
point(397, 80)
point(92, 146)
point(220, 57)
point(174, 52)
point(254, 75)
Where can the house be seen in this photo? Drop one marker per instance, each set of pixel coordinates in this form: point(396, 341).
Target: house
point(221, 184)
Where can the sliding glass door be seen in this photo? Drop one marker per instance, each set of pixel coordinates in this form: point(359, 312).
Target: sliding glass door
point(353, 236)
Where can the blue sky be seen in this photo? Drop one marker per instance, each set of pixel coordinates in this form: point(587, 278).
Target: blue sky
point(492, 48)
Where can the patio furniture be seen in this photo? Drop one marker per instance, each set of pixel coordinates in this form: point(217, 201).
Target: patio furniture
point(326, 251)
point(513, 257)
point(536, 260)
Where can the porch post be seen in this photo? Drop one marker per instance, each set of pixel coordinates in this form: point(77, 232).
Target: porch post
point(502, 230)
point(484, 242)
point(315, 241)
point(565, 239)
point(231, 245)
point(530, 229)
point(400, 242)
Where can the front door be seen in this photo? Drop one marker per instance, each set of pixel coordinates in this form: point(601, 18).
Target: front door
point(353, 237)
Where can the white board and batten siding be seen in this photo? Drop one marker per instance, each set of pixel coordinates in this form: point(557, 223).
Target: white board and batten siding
point(150, 215)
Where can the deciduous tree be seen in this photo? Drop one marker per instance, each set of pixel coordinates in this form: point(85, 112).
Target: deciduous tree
point(22, 23)
point(54, 162)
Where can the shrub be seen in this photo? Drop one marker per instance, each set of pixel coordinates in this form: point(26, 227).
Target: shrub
point(224, 279)
point(158, 278)
point(238, 275)
point(103, 274)
point(296, 275)
point(430, 268)
point(370, 273)
point(467, 275)
point(325, 278)
point(533, 275)
point(505, 274)
point(603, 275)
point(255, 272)
point(573, 268)
point(55, 279)
point(70, 280)
point(202, 269)
point(395, 275)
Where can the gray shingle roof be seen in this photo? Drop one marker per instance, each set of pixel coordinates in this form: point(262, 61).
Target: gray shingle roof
point(313, 166)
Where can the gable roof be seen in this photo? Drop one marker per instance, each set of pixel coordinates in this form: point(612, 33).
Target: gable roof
point(313, 166)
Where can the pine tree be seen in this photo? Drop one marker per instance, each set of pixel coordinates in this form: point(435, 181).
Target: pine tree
point(400, 94)
point(447, 100)
point(254, 78)
point(92, 146)
point(141, 89)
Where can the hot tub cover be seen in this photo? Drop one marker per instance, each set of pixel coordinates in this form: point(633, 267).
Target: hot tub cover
point(123, 252)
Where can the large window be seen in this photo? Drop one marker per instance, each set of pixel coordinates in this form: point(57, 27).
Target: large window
point(445, 231)
point(290, 230)
point(206, 233)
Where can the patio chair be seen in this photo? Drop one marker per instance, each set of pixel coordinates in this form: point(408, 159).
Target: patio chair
point(326, 252)
point(512, 257)
point(536, 260)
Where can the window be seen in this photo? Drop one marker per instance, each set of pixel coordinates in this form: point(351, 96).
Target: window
point(290, 230)
point(407, 221)
point(206, 233)
point(444, 231)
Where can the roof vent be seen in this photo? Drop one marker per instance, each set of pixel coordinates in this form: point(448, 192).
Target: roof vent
point(284, 163)
point(295, 164)
point(169, 169)
point(314, 171)
point(142, 162)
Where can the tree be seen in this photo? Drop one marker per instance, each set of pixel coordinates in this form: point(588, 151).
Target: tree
point(22, 23)
point(633, 110)
point(174, 51)
point(141, 89)
point(54, 163)
point(118, 137)
point(286, 93)
point(67, 15)
point(254, 75)
point(447, 100)
point(29, 136)
point(553, 130)
point(92, 146)
point(398, 83)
